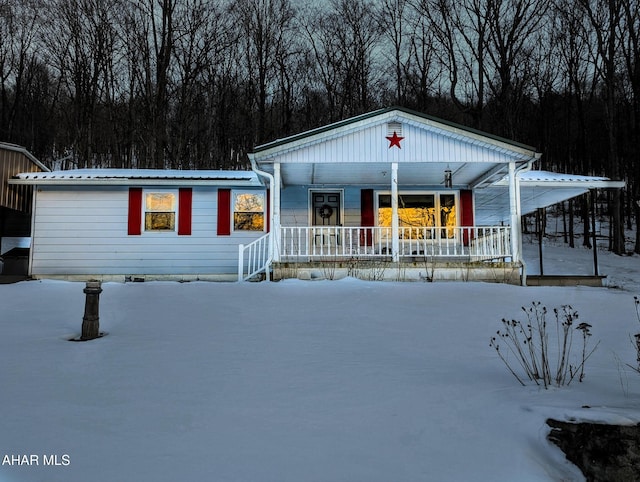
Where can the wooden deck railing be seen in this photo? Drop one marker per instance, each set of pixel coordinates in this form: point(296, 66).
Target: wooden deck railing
point(322, 242)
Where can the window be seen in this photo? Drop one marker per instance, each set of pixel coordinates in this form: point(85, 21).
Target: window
point(427, 210)
point(159, 211)
point(248, 211)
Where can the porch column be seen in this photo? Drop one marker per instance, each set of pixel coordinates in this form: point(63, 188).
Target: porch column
point(275, 207)
point(518, 219)
point(515, 214)
point(395, 231)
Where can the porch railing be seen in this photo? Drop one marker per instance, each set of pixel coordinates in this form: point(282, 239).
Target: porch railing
point(322, 242)
point(254, 258)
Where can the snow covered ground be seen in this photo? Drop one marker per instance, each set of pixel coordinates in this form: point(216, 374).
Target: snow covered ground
point(300, 380)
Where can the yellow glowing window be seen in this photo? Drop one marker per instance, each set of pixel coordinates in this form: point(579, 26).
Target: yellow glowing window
point(420, 211)
point(248, 211)
point(160, 211)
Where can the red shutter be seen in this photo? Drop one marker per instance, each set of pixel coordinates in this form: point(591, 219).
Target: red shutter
point(466, 214)
point(224, 212)
point(135, 211)
point(184, 211)
point(367, 216)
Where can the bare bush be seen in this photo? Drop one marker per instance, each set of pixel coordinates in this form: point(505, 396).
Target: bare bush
point(529, 343)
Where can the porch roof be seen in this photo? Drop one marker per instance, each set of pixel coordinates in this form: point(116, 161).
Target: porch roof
point(359, 151)
point(389, 114)
point(538, 189)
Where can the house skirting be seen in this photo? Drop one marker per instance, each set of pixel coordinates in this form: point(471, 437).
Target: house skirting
point(137, 278)
point(381, 270)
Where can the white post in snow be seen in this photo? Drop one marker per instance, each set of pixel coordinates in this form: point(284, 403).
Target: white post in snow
point(395, 230)
point(275, 207)
point(514, 214)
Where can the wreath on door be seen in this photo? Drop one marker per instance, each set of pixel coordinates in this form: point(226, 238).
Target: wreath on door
point(326, 211)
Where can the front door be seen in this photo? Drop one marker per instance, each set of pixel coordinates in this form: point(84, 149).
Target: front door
point(326, 208)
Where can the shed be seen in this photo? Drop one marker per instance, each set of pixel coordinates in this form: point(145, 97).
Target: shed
point(15, 201)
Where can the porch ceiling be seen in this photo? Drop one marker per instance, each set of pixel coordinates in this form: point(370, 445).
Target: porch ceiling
point(492, 204)
point(377, 173)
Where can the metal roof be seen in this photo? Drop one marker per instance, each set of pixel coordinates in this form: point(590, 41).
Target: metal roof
point(557, 179)
point(538, 189)
point(139, 177)
point(16, 148)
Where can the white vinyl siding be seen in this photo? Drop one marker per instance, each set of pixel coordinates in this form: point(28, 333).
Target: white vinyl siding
point(295, 205)
point(419, 145)
point(84, 231)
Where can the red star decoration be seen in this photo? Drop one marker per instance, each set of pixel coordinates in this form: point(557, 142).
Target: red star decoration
point(394, 140)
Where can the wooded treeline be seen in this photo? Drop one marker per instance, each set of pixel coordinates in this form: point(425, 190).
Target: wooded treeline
point(197, 83)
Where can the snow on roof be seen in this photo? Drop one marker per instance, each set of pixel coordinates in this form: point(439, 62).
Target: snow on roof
point(538, 189)
point(547, 176)
point(138, 176)
point(548, 179)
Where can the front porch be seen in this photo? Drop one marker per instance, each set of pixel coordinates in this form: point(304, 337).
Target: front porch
point(460, 253)
point(417, 254)
point(339, 243)
point(402, 193)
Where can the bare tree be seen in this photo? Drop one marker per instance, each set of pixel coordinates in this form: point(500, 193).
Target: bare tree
point(80, 41)
point(604, 16)
point(392, 19)
point(19, 27)
point(574, 54)
point(266, 36)
point(511, 26)
point(423, 68)
point(344, 42)
point(630, 26)
point(150, 33)
point(325, 65)
point(202, 34)
point(461, 31)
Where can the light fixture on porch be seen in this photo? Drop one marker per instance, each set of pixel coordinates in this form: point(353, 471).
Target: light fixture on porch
point(448, 178)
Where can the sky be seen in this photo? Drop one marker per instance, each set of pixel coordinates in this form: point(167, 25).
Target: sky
point(343, 380)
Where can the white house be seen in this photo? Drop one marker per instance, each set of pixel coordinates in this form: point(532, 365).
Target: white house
point(146, 224)
point(398, 194)
point(392, 194)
